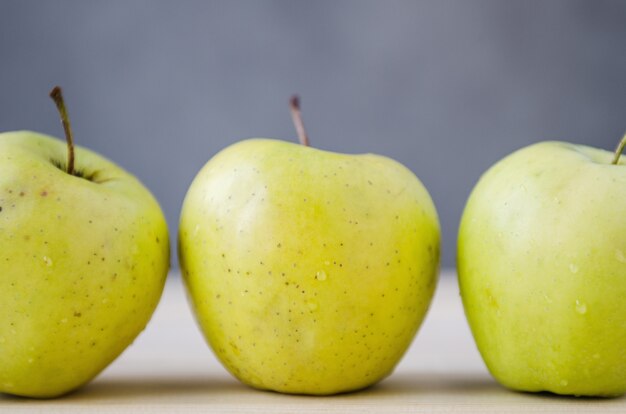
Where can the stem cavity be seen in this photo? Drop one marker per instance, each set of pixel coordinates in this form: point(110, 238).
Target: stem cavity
point(57, 96)
point(619, 150)
point(296, 115)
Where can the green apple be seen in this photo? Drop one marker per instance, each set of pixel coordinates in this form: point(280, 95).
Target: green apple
point(83, 259)
point(542, 269)
point(309, 271)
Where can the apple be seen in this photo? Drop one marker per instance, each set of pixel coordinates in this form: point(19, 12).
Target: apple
point(542, 269)
point(83, 259)
point(309, 271)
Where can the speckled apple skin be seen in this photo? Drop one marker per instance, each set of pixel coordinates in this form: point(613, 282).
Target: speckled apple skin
point(309, 271)
point(542, 270)
point(82, 264)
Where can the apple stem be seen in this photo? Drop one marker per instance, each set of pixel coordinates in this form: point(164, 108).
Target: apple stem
point(57, 96)
point(619, 150)
point(296, 115)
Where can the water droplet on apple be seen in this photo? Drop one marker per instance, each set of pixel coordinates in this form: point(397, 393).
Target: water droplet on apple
point(596, 356)
point(47, 261)
point(30, 360)
point(547, 298)
point(564, 383)
point(573, 268)
point(327, 262)
point(312, 305)
point(321, 275)
point(105, 301)
point(619, 255)
point(581, 307)
point(64, 320)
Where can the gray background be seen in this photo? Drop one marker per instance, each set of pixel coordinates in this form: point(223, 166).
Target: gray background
point(445, 87)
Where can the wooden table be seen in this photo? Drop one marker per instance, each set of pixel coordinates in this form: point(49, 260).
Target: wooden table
point(170, 369)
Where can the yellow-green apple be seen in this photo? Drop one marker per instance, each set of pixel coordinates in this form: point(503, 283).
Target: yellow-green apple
point(83, 258)
point(542, 269)
point(309, 271)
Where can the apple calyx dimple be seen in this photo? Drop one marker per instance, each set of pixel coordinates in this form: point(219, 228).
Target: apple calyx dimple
point(76, 173)
point(296, 115)
point(619, 150)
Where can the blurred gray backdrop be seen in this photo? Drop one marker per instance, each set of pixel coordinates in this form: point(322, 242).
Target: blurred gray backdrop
point(445, 87)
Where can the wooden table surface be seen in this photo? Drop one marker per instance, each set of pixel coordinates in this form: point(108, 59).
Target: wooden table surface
point(170, 369)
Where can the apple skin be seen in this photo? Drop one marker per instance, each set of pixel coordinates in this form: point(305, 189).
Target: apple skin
point(82, 264)
point(309, 271)
point(542, 270)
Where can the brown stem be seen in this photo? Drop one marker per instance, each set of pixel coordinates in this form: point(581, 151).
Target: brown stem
point(619, 150)
point(296, 115)
point(57, 96)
